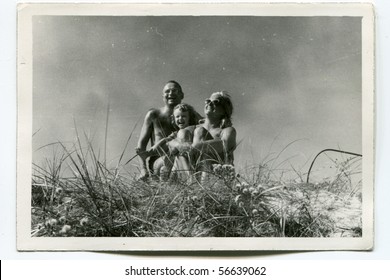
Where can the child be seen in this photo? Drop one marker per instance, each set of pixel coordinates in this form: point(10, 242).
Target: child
point(184, 118)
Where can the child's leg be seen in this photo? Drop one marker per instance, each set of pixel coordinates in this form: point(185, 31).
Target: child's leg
point(200, 160)
point(206, 170)
point(182, 168)
point(166, 167)
point(155, 167)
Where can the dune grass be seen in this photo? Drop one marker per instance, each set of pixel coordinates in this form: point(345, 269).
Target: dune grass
point(75, 193)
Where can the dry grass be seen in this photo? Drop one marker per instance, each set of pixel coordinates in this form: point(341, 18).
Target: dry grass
point(94, 200)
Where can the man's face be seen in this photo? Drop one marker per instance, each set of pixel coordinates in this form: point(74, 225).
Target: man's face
point(171, 94)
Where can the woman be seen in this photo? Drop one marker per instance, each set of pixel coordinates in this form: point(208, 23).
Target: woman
point(214, 139)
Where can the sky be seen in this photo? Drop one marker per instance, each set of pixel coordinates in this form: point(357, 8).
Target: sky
point(295, 82)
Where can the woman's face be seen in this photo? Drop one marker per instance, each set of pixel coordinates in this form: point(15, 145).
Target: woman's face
point(213, 106)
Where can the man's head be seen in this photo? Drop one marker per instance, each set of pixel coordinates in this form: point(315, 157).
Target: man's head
point(172, 93)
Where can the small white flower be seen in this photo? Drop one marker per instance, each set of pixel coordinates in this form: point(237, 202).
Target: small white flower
point(218, 167)
point(245, 191)
point(227, 167)
point(84, 221)
point(59, 191)
point(231, 166)
point(67, 200)
point(65, 229)
point(53, 222)
point(237, 198)
point(255, 212)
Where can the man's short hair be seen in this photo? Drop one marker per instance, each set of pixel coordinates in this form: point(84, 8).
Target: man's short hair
point(177, 84)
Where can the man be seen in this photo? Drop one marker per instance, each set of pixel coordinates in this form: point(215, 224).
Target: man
point(158, 125)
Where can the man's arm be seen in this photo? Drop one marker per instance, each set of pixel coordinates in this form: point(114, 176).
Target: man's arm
point(146, 131)
point(144, 137)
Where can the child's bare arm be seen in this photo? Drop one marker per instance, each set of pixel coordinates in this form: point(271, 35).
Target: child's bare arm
point(184, 136)
point(182, 143)
point(159, 145)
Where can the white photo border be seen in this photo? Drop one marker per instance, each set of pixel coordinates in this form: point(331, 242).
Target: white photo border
point(24, 131)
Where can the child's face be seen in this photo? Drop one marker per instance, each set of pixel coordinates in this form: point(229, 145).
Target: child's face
point(181, 118)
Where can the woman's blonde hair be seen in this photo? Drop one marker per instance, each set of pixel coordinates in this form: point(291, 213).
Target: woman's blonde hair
point(227, 105)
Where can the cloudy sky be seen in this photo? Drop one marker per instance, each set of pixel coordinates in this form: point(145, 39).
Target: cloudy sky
point(291, 79)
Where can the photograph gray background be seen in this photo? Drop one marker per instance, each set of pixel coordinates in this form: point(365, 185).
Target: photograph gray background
point(291, 79)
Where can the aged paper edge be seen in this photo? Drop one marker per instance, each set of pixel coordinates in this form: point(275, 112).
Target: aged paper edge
point(24, 131)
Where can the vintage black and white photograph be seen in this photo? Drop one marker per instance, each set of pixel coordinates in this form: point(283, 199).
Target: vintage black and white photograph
point(195, 127)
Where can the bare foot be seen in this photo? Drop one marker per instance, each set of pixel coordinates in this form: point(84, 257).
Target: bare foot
point(143, 176)
point(164, 174)
point(143, 154)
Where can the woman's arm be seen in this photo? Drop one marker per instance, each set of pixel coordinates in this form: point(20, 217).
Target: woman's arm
point(227, 141)
point(229, 138)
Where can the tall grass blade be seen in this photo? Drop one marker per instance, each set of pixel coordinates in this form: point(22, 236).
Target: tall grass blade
point(106, 133)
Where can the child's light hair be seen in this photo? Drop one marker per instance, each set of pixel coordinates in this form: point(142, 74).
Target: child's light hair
point(183, 107)
point(227, 105)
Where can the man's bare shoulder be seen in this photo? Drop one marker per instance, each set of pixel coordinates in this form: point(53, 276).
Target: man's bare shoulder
point(154, 113)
